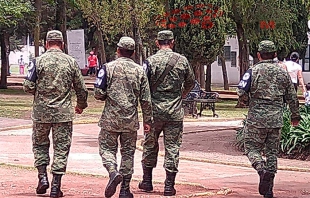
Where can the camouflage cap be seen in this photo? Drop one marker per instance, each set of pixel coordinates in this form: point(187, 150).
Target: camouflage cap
point(165, 35)
point(54, 35)
point(126, 43)
point(266, 46)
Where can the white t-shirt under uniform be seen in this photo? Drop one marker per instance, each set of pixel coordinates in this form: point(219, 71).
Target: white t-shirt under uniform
point(292, 69)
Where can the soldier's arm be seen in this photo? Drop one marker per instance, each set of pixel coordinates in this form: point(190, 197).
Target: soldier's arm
point(189, 79)
point(29, 84)
point(29, 87)
point(100, 94)
point(245, 83)
point(100, 86)
point(79, 87)
point(292, 100)
point(145, 100)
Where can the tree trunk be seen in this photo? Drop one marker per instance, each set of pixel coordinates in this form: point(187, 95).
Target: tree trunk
point(101, 50)
point(243, 62)
point(61, 20)
point(5, 50)
point(224, 71)
point(38, 7)
point(208, 78)
point(243, 50)
point(202, 76)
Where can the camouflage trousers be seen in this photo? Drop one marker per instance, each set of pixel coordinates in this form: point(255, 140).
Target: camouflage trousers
point(262, 139)
point(173, 131)
point(61, 135)
point(108, 145)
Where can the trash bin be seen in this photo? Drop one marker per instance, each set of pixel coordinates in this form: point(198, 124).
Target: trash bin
point(22, 69)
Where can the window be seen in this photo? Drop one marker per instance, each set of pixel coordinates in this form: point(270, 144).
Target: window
point(227, 50)
point(233, 59)
point(306, 61)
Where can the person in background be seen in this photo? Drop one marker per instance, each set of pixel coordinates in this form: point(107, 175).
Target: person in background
point(307, 95)
point(92, 63)
point(50, 79)
point(295, 71)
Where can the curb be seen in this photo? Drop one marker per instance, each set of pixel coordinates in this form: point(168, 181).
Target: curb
point(222, 191)
point(211, 161)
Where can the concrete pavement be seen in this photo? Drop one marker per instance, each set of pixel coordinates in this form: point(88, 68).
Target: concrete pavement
point(199, 164)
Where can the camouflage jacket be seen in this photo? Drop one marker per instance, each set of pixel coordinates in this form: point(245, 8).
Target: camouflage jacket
point(127, 85)
point(269, 86)
point(167, 98)
point(56, 73)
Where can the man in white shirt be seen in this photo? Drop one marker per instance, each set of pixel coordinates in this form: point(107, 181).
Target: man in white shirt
point(295, 71)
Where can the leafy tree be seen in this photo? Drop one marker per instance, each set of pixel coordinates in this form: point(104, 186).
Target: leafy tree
point(200, 33)
point(12, 12)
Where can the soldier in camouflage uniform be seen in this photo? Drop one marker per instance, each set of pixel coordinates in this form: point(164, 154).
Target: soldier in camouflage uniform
point(268, 86)
point(50, 79)
point(122, 84)
point(167, 110)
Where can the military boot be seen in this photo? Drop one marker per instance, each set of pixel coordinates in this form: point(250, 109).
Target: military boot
point(146, 184)
point(56, 184)
point(125, 188)
point(169, 184)
point(115, 179)
point(269, 193)
point(264, 181)
point(43, 180)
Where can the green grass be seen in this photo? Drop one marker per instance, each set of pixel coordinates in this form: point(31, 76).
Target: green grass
point(14, 103)
point(226, 109)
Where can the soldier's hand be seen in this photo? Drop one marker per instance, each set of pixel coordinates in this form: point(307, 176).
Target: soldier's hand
point(295, 122)
point(147, 128)
point(78, 110)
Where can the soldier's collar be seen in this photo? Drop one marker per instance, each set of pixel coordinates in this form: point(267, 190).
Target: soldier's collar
point(165, 50)
point(125, 58)
point(267, 61)
point(54, 50)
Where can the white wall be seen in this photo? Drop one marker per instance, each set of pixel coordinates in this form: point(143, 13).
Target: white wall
point(15, 55)
point(232, 72)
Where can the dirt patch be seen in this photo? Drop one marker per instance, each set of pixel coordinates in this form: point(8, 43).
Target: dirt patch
point(21, 183)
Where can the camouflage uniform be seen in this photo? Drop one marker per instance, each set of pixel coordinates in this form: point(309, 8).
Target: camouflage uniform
point(268, 86)
point(126, 85)
point(167, 105)
point(50, 81)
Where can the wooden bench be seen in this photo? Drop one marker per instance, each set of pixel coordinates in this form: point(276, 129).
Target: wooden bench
point(201, 97)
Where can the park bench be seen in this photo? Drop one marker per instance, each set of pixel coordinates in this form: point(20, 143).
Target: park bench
point(201, 97)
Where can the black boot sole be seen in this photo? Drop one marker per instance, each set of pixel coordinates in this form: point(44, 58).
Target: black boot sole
point(111, 188)
point(142, 187)
point(170, 193)
point(60, 194)
point(42, 189)
point(265, 184)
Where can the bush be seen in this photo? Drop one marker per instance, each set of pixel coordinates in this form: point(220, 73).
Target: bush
point(295, 141)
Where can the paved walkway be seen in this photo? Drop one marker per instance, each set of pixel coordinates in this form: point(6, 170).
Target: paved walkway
point(200, 166)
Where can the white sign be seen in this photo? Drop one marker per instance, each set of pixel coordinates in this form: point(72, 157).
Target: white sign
point(76, 46)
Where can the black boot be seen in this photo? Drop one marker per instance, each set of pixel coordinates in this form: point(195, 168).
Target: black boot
point(56, 184)
point(169, 184)
point(43, 180)
point(115, 179)
point(125, 188)
point(269, 193)
point(146, 183)
point(264, 181)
